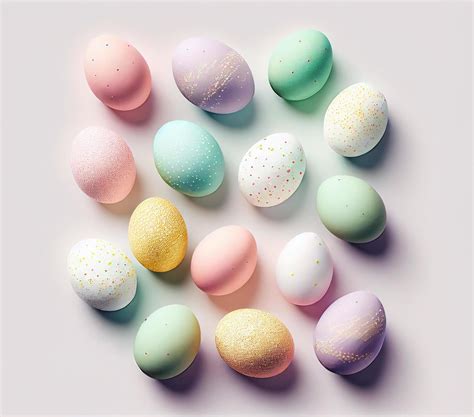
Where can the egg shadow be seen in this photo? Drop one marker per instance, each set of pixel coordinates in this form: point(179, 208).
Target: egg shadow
point(179, 274)
point(319, 307)
point(129, 203)
point(215, 200)
point(319, 102)
point(128, 313)
point(374, 373)
point(186, 381)
point(287, 208)
point(377, 155)
point(279, 384)
point(378, 247)
point(238, 120)
point(141, 115)
point(242, 297)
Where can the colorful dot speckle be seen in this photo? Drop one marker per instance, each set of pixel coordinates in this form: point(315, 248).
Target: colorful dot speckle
point(272, 170)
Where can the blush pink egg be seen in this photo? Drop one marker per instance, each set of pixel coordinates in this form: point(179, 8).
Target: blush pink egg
point(224, 260)
point(102, 165)
point(117, 73)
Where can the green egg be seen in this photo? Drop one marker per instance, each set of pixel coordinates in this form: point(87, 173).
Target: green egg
point(188, 158)
point(167, 342)
point(300, 65)
point(351, 209)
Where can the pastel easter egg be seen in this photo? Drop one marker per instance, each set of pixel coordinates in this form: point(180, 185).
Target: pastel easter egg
point(304, 269)
point(167, 342)
point(157, 235)
point(101, 274)
point(102, 165)
point(224, 260)
point(300, 65)
point(351, 209)
point(272, 170)
point(188, 158)
point(117, 73)
point(356, 120)
point(254, 343)
point(212, 76)
point(350, 333)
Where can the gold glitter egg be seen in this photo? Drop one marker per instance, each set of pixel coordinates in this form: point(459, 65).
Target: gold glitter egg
point(157, 235)
point(254, 343)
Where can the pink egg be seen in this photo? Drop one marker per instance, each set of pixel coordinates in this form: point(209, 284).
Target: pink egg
point(224, 260)
point(102, 165)
point(117, 73)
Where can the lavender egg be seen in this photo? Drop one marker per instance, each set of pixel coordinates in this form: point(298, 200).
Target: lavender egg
point(350, 333)
point(212, 75)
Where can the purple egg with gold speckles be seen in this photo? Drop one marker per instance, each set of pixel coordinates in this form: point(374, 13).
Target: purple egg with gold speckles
point(212, 76)
point(350, 333)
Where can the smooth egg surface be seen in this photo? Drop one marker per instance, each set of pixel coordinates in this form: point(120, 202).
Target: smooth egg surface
point(224, 260)
point(350, 333)
point(351, 209)
point(157, 234)
point(304, 269)
point(212, 76)
point(356, 120)
point(167, 342)
point(117, 73)
point(254, 343)
point(102, 165)
point(101, 274)
point(188, 158)
point(300, 65)
point(272, 170)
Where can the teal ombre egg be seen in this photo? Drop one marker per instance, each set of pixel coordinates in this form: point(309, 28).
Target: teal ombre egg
point(300, 65)
point(188, 158)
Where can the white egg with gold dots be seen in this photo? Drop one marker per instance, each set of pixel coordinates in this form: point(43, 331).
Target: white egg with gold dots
point(101, 274)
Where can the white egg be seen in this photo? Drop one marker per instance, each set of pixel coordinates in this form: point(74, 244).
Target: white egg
point(356, 120)
point(272, 170)
point(101, 274)
point(304, 269)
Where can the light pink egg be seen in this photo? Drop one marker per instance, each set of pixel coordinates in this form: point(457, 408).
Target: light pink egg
point(102, 165)
point(117, 73)
point(224, 260)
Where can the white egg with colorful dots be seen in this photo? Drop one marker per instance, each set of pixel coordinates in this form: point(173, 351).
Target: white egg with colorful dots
point(304, 269)
point(356, 120)
point(101, 274)
point(272, 170)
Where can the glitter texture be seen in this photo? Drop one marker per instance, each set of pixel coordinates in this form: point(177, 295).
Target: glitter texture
point(157, 235)
point(254, 343)
point(356, 120)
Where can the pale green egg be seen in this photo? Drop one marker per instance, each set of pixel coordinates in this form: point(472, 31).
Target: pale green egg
point(351, 209)
point(188, 158)
point(300, 65)
point(167, 342)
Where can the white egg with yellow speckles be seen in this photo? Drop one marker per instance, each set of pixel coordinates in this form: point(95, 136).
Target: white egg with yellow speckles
point(101, 274)
point(356, 120)
point(272, 170)
point(304, 269)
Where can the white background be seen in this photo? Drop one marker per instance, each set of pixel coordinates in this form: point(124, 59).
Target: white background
point(60, 356)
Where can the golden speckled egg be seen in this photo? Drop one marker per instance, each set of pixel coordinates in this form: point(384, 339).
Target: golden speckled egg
point(157, 235)
point(254, 343)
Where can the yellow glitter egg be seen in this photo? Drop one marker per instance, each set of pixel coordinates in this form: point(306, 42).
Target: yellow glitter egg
point(254, 343)
point(157, 235)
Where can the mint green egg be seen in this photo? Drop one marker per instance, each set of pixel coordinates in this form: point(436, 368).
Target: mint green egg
point(300, 65)
point(351, 209)
point(167, 342)
point(188, 158)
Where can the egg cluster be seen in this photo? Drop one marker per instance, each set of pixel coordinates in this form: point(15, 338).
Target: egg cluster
point(217, 79)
